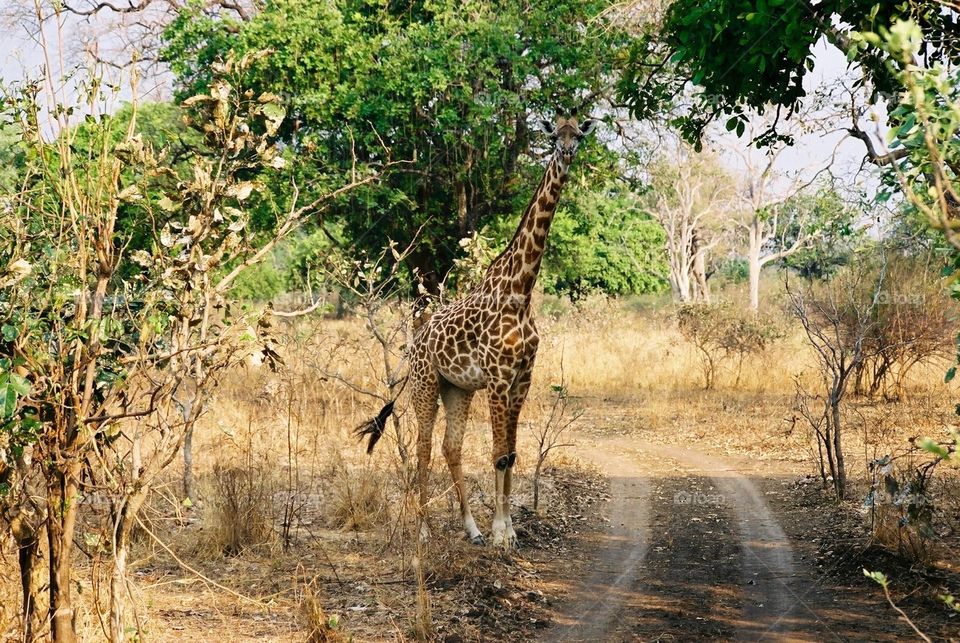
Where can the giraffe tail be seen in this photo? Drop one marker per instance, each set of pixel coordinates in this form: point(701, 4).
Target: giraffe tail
point(375, 427)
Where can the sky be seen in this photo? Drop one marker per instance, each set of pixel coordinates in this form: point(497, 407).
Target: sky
point(21, 54)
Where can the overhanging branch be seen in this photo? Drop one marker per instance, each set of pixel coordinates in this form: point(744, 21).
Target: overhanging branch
point(875, 157)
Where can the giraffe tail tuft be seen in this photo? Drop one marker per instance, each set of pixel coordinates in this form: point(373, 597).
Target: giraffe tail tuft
point(376, 426)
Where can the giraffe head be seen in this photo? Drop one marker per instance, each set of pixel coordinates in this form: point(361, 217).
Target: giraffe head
point(566, 135)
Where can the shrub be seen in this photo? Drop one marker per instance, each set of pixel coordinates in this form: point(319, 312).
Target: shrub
point(239, 511)
point(360, 501)
point(912, 325)
point(723, 333)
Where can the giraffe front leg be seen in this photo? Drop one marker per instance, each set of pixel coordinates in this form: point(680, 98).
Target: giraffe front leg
point(509, 535)
point(501, 507)
point(516, 398)
point(499, 414)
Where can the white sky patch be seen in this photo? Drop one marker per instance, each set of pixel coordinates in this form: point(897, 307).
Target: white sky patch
point(829, 143)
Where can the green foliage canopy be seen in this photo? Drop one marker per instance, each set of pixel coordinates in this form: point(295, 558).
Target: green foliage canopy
point(448, 87)
point(603, 240)
point(748, 56)
point(837, 228)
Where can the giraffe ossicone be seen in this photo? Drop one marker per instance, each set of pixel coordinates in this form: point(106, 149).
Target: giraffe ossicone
point(486, 340)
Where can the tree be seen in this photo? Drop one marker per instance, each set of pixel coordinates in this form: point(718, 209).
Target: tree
point(107, 357)
point(602, 240)
point(688, 196)
point(448, 87)
point(837, 318)
point(775, 224)
point(749, 57)
point(838, 235)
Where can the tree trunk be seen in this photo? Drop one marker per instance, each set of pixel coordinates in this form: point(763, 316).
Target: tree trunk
point(753, 260)
point(840, 479)
point(700, 278)
point(27, 537)
point(680, 284)
point(188, 482)
point(754, 282)
point(117, 592)
point(698, 268)
point(62, 496)
point(118, 579)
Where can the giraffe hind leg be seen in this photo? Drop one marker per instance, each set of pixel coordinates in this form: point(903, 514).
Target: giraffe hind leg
point(425, 393)
point(456, 404)
point(516, 398)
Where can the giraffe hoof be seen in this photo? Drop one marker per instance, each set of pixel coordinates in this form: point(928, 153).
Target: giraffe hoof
point(479, 540)
point(510, 539)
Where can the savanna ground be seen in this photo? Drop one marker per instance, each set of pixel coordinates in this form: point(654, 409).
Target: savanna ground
point(667, 512)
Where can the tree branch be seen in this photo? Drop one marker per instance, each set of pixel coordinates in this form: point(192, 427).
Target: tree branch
point(875, 157)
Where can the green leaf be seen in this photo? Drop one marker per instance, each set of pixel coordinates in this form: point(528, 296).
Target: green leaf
point(19, 384)
point(930, 446)
point(951, 373)
point(877, 577)
point(8, 397)
point(9, 332)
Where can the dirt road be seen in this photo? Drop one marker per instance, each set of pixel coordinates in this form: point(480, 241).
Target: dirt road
point(691, 550)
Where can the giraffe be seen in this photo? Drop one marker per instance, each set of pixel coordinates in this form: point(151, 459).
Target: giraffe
point(487, 340)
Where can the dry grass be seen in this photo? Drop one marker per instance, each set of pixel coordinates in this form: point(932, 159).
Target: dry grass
point(360, 500)
point(320, 626)
point(239, 510)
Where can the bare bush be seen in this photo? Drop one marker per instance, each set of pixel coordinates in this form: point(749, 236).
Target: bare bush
point(837, 318)
point(721, 333)
point(238, 509)
point(549, 434)
point(913, 326)
point(359, 501)
point(900, 505)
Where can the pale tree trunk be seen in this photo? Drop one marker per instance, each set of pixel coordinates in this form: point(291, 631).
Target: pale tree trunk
point(118, 580)
point(680, 284)
point(118, 592)
point(755, 245)
point(677, 255)
point(754, 284)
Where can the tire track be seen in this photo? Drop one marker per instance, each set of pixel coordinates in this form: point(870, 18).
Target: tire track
point(771, 599)
point(609, 586)
point(721, 570)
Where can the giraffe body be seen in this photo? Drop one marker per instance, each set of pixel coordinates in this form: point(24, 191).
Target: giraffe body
point(488, 340)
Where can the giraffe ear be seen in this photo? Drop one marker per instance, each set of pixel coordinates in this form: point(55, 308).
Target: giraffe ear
point(546, 127)
point(588, 126)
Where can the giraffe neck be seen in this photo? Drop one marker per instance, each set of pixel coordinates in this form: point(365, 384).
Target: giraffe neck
point(515, 271)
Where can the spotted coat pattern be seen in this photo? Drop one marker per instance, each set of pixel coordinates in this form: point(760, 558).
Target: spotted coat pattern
point(488, 340)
